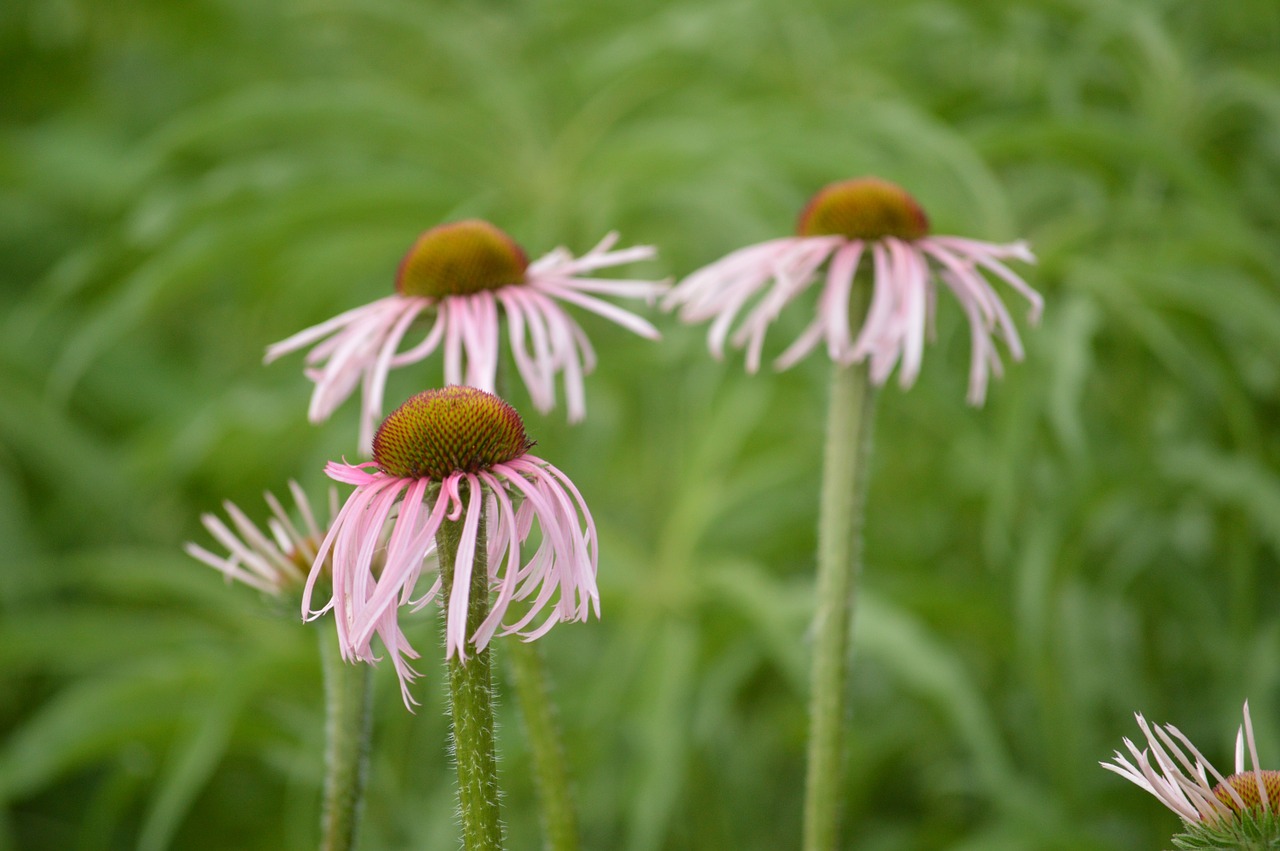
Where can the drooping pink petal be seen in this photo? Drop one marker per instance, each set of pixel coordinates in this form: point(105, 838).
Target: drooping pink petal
point(535, 367)
point(460, 595)
point(764, 279)
point(382, 542)
point(375, 378)
point(405, 550)
point(361, 346)
point(503, 529)
point(625, 318)
point(1180, 778)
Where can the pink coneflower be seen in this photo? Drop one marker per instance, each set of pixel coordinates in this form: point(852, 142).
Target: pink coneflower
point(1182, 784)
point(839, 228)
point(455, 455)
point(462, 275)
point(274, 561)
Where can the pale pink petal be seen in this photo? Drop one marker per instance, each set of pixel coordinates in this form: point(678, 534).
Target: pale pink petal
point(375, 378)
point(1180, 781)
point(430, 342)
point(269, 563)
point(399, 518)
point(258, 562)
point(900, 315)
point(316, 332)
point(405, 550)
point(231, 569)
point(613, 313)
point(1253, 755)
point(460, 595)
point(617, 287)
point(502, 529)
point(535, 368)
point(835, 311)
point(560, 262)
point(451, 316)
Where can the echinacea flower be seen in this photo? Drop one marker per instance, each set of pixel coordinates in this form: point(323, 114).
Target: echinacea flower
point(454, 455)
point(857, 225)
point(1180, 780)
point(272, 562)
point(462, 275)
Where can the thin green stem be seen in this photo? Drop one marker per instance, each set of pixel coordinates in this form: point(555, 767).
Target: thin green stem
point(551, 770)
point(533, 695)
point(348, 724)
point(471, 700)
point(840, 517)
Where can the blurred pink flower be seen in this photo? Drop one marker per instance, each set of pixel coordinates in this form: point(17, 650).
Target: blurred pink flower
point(452, 455)
point(274, 561)
point(1183, 786)
point(460, 274)
point(873, 225)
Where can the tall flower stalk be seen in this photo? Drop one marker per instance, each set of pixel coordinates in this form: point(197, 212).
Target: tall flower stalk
point(550, 767)
point(275, 562)
point(348, 729)
point(841, 511)
point(868, 241)
point(531, 683)
point(450, 499)
point(471, 695)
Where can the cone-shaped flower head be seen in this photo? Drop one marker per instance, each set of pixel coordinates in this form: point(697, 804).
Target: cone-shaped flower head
point(461, 277)
point(864, 208)
point(276, 561)
point(453, 430)
point(862, 224)
point(462, 258)
point(454, 455)
point(1240, 807)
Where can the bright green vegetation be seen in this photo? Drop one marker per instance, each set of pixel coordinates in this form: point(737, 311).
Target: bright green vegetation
point(182, 184)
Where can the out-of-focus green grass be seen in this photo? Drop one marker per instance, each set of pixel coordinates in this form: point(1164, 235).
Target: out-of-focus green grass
point(181, 184)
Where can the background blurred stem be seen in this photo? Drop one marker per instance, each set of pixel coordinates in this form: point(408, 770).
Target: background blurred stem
point(348, 724)
point(471, 701)
point(533, 694)
point(551, 771)
point(840, 517)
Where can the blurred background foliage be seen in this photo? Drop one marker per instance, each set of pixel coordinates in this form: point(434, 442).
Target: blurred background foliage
point(181, 184)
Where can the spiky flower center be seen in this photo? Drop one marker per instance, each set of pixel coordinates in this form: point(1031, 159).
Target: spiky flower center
point(459, 259)
point(1246, 786)
point(863, 208)
point(450, 430)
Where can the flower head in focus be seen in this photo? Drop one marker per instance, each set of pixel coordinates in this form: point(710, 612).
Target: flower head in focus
point(461, 276)
point(457, 454)
point(1232, 812)
point(275, 561)
point(870, 224)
